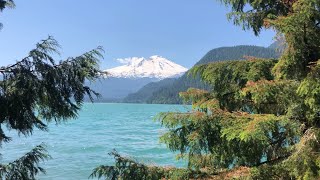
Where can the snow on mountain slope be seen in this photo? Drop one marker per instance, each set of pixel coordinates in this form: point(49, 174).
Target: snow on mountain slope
point(154, 67)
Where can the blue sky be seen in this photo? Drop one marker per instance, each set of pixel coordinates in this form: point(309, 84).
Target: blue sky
point(179, 30)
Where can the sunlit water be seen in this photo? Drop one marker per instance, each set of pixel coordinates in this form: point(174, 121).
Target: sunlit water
point(80, 145)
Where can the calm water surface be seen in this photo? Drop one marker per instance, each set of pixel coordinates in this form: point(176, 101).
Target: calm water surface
point(78, 146)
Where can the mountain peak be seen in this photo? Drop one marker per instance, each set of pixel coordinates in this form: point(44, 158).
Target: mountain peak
point(154, 67)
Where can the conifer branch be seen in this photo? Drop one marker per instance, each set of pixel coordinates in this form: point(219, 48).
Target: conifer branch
point(26, 167)
point(38, 84)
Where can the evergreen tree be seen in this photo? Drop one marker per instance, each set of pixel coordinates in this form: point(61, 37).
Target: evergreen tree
point(261, 120)
point(37, 90)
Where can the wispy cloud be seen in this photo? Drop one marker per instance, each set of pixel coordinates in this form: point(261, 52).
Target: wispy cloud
point(124, 60)
point(129, 60)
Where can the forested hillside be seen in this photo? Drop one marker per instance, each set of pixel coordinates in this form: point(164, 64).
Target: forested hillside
point(237, 53)
point(164, 92)
point(148, 90)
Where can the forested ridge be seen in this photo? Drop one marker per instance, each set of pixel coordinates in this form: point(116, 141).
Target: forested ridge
point(164, 92)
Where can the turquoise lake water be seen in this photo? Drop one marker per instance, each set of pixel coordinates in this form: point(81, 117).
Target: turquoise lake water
point(80, 145)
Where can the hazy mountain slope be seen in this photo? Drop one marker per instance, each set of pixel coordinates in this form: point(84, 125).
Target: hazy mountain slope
point(147, 91)
point(279, 45)
point(115, 89)
point(168, 93)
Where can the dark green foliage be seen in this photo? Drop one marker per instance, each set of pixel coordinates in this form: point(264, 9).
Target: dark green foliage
point(26, 167)
point(272, 97)
point(213, 131)
point(37, 90)
point(296, 20)
point(251, 14)
point(301, 30)
point(129, 169)
point(165, 92)
point(270, 172)
point(227, 78)
point(37, 84)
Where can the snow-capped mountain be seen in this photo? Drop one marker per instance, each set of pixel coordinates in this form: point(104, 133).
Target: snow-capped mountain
point(153, 67)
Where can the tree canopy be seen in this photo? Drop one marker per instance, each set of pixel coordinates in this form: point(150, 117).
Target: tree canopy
point(260, 120)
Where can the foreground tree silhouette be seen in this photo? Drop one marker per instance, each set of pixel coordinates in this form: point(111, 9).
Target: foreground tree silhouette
point(262, 118)
point(38, 89)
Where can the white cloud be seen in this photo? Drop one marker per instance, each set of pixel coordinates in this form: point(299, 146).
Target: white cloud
point(129, 60)
point(124, 60)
